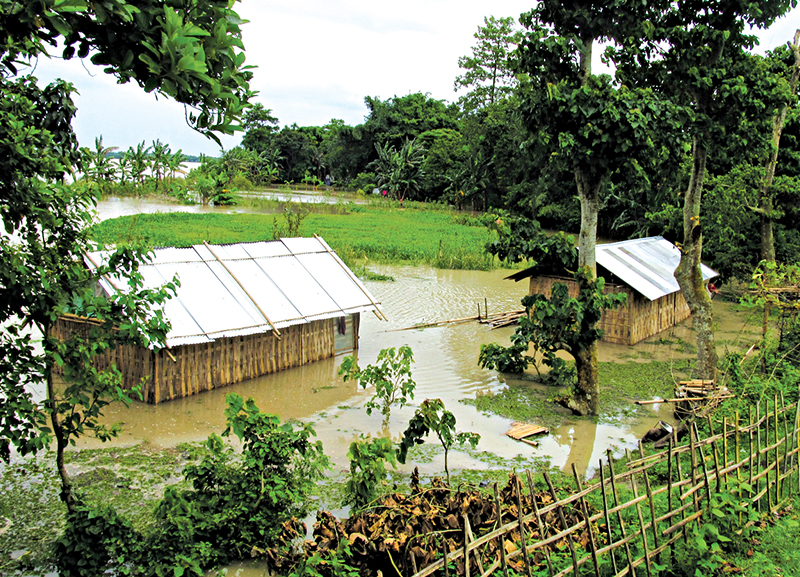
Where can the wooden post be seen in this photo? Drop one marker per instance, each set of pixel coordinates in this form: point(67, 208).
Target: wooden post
point(563, 521)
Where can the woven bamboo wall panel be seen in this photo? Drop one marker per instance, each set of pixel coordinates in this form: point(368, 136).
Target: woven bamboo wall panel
point(201, 367)
point(626, 325)
point(230, 360)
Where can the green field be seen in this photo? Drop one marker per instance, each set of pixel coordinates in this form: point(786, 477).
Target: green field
point(440, 238)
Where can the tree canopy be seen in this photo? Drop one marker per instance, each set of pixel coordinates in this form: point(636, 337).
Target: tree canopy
point(189, 51)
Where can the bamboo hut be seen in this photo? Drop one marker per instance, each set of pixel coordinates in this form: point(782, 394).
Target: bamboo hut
point(241, 311)
point(643, 269)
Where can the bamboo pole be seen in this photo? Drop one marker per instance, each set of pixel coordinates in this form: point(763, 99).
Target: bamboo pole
point(652, 503)
point(502, 540)
point(525, 558)
point(542, 530)
point(758, 453)
point(585, 510)
point(682, 509)
point(563, 520)
point(645, 544)
point(714, 453)
point(619, 513)
point(607, 516)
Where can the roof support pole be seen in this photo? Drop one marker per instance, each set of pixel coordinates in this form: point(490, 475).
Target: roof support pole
point(275, 331)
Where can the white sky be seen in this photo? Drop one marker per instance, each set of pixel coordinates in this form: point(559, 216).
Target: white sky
point(316, 60)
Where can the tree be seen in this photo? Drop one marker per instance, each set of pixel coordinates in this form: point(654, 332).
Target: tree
point(98, 165)
point(400, 171)
point(160, 160)
point(488, 73)
point(766, 202)
point(138, 161)
point(433, 417)
point(695, 55)
point(185, 50)
point(558, 323)
point(586, 123)
point(391, 377)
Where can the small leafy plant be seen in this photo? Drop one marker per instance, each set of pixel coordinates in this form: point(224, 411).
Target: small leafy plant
point(391, 377)
point(432, 417)
point(368, 458)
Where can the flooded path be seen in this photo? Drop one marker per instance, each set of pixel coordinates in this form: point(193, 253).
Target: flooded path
point(446, 367)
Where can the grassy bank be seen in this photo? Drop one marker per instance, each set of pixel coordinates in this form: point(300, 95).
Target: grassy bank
point(438, 238)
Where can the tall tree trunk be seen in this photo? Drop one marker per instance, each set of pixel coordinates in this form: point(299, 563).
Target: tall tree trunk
point(586, 399)
point(765, 199)
point(67, 496)
point(587, 396)
point(689, 275)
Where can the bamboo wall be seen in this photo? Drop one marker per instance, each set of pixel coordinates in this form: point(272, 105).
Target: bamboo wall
point(623, 523)
point(190, 369)
point(626, 325)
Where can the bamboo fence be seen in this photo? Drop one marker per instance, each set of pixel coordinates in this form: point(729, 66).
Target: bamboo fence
point(624, 522)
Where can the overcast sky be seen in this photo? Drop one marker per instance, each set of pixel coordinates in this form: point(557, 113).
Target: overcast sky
point(316, 60)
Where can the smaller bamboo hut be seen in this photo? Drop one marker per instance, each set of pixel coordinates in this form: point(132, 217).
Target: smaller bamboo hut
point(241, 311)
point(643, 269)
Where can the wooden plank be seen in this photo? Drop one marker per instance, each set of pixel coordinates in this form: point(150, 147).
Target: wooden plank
point(519, 431)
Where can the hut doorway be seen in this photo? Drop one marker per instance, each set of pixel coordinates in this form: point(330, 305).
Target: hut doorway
point(346, 335)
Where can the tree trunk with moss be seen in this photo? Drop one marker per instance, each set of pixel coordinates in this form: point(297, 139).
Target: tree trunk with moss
point(689, 274)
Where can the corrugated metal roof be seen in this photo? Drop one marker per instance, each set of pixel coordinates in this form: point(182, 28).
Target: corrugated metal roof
point(247, 288)
point(647, 265)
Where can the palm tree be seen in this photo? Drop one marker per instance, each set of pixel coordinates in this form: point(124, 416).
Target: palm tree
point(161, 154)
point(139, 162)
point(175, 162)
point(99, 166)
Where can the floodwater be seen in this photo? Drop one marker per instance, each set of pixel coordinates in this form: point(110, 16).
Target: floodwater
point(445, 367)
point(114, 207)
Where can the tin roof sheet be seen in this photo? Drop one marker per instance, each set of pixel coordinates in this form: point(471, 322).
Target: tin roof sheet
point(246, 288)
point(647, 265)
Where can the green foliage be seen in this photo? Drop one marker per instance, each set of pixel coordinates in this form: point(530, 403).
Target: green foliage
point(433, 417)
point(712, 541)
point(92, 538)
point(400, 171)
point(391, 377)
point(237, 507)
point(293, 216)
point(327, 563)
point(368, 458)
point(487, 72)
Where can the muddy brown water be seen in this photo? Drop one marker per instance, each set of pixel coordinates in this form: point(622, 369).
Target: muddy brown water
point(445, 367)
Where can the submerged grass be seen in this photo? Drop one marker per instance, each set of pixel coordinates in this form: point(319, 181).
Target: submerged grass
point(620, 383)
point(437, 238)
